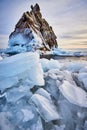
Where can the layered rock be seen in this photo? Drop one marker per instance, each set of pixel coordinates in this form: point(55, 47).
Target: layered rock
point(32, 32)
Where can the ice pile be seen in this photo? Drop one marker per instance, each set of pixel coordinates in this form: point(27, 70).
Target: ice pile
point(66, 82)
point(16, 68)
point(42, 94)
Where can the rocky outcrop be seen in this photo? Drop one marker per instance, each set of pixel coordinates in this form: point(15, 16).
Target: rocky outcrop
point(33, 32)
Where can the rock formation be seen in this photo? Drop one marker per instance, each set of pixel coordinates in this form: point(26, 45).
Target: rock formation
point(32, 32)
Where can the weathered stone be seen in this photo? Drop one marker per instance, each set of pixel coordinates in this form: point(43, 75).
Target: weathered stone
point(32, 24)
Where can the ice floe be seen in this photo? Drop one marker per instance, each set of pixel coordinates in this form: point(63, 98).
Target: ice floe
point(42, 94)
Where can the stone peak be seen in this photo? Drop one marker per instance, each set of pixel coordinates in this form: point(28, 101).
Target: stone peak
point(30, 26)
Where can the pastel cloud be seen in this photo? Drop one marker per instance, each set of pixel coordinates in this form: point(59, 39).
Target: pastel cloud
point(68, 17)
point(3, 41)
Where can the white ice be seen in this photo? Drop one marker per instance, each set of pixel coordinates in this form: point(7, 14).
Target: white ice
point(19, 39)
point(84, 69)
point(45, 106)
point(44, 93)
point(28, 115)
point(1, 58)
point(75, 66)
point(82, 77)
point(17, 93)
point(60, 52)
point(50, 64)
point(62, 93)
point(5, 124)
point(74, 94)
point(19, 67)
point(37, 126)
point(16, 49)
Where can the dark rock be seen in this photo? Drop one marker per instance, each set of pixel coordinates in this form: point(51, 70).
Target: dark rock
point(30, 26)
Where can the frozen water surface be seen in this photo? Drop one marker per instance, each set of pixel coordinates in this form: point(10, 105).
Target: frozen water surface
point(42, 94)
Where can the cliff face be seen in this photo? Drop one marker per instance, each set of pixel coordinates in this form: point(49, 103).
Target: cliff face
point(33, 31)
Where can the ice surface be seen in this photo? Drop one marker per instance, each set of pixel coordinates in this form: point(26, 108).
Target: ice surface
point(52, 82)
point(44, 62)
point(75, 67)
point(74, 94)
point(15, 94)
point(5, 124)
point(19, 67)
point(45, 106)
point(84, 69)
point(25, 41)
point(37, 126)
point(85, 125)
point(61, 104)
point(82, 77)
point(50, 64)
point(19, 39)
point(7, 82)
point(62, 127)
point(15, 49)
point(54, 79)
point(60, 52)
point(1, 58)
point(19, 116)
point(54, 64)
point(28, 115)
point(44, 93)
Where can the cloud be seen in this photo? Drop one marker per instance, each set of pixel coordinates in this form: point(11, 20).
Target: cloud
point(73, 37)
point(68, 17)
point(3, 41)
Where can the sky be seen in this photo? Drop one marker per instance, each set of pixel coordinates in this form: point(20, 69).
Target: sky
point(67, 17)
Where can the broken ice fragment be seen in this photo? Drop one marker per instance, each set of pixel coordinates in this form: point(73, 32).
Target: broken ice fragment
point(74, 94)
point(28, 115)
point(19, 67)
point(45, 107)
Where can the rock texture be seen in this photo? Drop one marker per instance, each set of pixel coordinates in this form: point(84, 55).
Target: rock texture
point(33, 30)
